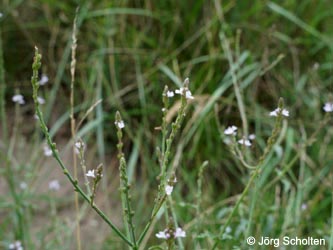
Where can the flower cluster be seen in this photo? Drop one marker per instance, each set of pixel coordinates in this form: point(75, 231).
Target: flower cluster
point(232, 130)
point(79, 146)
point(275, 112)
point(170, 185)
point(17, 245)
point(181, 91)
point(171, 233)
point(91, 173)
point(120, 124)
point(18, 99)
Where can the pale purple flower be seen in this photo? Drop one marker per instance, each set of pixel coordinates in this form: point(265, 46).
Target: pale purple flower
point(168, 189)
point(163, 235)
point(247, 143)
point(231, 130)
point(91, 173)
point(79, 146)
point(17, 245)
point(18, 99)
point(275, 112)
point(328, 107)
point(40, 100)
point(120, 124)
point(179, 233)
point(54, 185)
point(252, 137)
point(304, 206)
point(47, 151)
point(170, 94)
point(43, 80)
point(188, 94)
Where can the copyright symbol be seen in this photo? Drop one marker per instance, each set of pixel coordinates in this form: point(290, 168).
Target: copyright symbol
point(251, 240)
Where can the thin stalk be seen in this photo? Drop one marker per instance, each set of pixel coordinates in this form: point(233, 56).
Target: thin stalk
point(72, 121)
point(2, 94)
point(175, 126)
point(34, 81)
point(124, 183)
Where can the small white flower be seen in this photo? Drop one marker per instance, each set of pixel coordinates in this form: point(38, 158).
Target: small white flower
point(120, 124)
point(163, 109)
point(168, 189)
point(304, 206)
point(247, 143)
point(23, 185)
point(188, 94)
point(228, 230)
point(43, 80)
point(252, 137)
point(1, 15)
point(328, 107)
point(163, 235)
point(180, 233)
point(78, 146)
point(18, 99)
point(232, 130)
point(54, 185)
point(170, 94)
point(285, 112)
point(40, 100)
point(276, 111)
point(91, 173)
point(47, 151)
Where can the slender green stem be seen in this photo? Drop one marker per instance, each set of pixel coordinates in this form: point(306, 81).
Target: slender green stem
point(73, 131)
point(2, 94)
point(152, 217)
point(34, 80)
point(175, 126)
point(124, 183)
point(270, 143)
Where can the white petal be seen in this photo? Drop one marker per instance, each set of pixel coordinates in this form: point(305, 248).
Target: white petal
point(161, 235)
point(170, 94)
point(91, 173)
point(40, 100)
point(44, 79)
point(245, 142)
point(180, 233)
point(120, 124)
point(168, 189)
point(328, 107)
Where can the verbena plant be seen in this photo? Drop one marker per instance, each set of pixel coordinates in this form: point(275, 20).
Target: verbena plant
point(167, 177)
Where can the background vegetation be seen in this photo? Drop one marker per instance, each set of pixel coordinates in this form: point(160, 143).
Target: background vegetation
point(127, 51)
